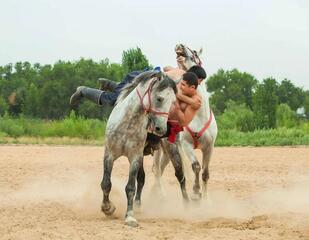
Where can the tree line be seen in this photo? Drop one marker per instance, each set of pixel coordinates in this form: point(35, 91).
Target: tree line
point(43, 91)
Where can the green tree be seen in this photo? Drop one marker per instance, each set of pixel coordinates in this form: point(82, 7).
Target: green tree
point(3, 106)
point(54, 101)
point(134, 59)
point(265, 101)
point(306, 104)
point(290, 94)
point(31, 106)
point(230, 85)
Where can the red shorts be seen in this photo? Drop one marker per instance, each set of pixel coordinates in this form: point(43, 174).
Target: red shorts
point(175, 128)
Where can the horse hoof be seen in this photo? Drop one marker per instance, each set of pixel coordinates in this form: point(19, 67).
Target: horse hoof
point(131, 221)
point(108, 209)
point(196, 196)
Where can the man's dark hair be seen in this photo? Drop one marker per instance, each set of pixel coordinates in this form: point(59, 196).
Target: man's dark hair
point(199, 71)
point(190, 78)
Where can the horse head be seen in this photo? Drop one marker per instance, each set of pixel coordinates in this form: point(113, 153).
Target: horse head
point(186, 57)
point(157, 101)
point(156, 93)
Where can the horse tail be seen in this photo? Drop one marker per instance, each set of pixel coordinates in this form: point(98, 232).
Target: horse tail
point(186, 164)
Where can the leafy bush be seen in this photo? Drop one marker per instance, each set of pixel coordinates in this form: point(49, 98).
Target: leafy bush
point(272, 137)
point(285, 117)
point(238, 117)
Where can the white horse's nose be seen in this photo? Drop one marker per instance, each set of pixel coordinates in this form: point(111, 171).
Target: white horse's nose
point(159, 130)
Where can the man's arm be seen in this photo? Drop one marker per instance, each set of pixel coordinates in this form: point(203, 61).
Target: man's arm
point(184, 118)
point(194, 102)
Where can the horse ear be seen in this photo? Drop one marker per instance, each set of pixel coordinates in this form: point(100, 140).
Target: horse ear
point(159, 75)
point(199, 53)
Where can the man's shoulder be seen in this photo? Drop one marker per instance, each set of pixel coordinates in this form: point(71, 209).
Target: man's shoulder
point(198, 100)
point(197, 96)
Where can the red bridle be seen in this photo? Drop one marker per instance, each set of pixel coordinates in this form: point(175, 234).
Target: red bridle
point(149, 109)
point(197, 59)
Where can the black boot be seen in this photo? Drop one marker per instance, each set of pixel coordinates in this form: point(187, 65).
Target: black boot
point(91, 94)
point(148, 150)
point(107, 85)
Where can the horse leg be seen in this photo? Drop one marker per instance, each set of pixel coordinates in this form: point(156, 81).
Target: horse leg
point(171, 150)
point(196, 167)
point(207, 152)
point(157, 172)
point(140, 184)
point(156, 162)
point(160, 160)
point(130, 191)
point(107, 206)
point(163, 163)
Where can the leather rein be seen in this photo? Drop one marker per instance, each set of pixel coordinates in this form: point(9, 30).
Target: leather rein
point(147, 95)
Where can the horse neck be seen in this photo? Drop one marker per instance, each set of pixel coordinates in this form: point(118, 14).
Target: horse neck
point(132, 106)
point(204, 111)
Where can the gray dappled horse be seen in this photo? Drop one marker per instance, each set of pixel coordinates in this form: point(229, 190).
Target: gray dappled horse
point(142, 106)
point(199, 134)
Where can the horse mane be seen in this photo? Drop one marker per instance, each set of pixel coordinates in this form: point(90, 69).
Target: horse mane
point(141, 78)
point(166, 82)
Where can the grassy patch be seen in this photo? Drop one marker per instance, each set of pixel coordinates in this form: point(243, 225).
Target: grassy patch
point(76, 131)
point(271, 137)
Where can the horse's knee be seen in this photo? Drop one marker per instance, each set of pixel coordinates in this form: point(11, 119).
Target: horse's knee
point(141, 177)
point(130, 191)
point(106, 185)
point(205, 175)
point(196, 167)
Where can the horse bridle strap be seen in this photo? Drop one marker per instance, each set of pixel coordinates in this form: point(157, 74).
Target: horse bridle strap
point(197, 59)
point(149, 109)
point(197, 135)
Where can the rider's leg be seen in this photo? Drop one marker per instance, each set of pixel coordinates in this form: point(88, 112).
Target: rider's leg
point(109, 85)
point(153, 141)
point(98, 96)
point(95, 95)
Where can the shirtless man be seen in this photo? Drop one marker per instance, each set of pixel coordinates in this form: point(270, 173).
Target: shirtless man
point(181, 112)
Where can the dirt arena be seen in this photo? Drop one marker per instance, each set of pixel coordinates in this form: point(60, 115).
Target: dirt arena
point(54, 193)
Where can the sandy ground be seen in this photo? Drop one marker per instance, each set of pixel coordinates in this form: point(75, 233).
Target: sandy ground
point(54, 193)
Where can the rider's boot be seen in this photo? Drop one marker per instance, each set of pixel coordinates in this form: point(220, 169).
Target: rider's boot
point(91, 94)
point(107, 85)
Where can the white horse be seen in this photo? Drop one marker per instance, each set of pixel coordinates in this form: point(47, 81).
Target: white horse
point(142, 106)
point(199, 134)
